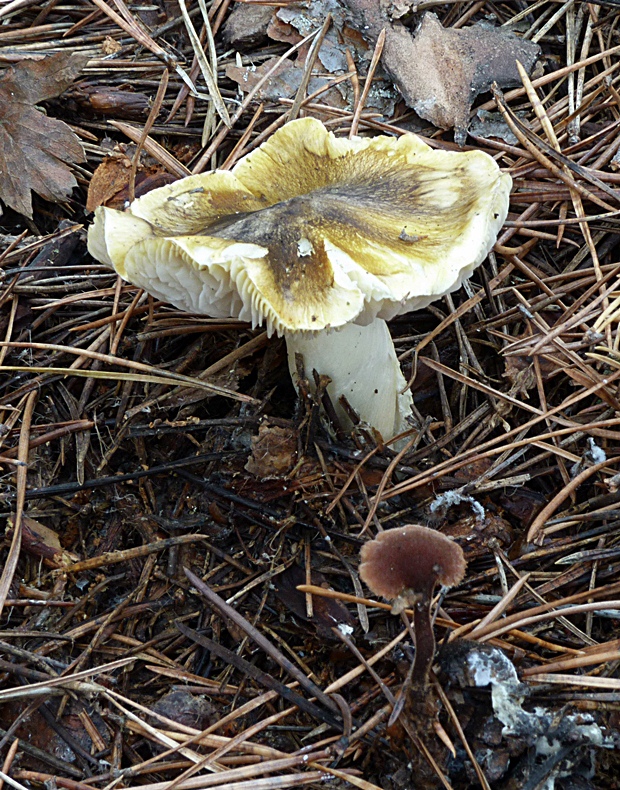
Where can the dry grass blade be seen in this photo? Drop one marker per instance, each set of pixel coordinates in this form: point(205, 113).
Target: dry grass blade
point(112, 557)
point(376, 56)
point(356, 781)
point(209, 74)
point(221, 136)
point(11, 782)
point(152, 147)
point(613, 684)
point(263, 678)
point(243, 773)
point(68, 681)
point(500, 607)
point(479, 772)
point(257, 637)
point(525, 620)
point(126, 21)
point(111, 376)
point(548, 510)
point(572, 663)
point(523, 135)
point(10, 565)
point(155, 110)
point(313, 53)
point(156, 373)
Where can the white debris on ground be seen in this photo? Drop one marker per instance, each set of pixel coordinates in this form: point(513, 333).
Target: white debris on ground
point(455, 497)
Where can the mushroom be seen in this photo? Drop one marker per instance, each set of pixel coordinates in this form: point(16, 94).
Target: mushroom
point(321, 238)
point(404, 565)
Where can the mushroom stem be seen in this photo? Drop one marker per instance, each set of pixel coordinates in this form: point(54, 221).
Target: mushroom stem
point(362, 364)
point(424, 642)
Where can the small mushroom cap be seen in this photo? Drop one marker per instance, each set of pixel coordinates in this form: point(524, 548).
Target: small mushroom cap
point(312, 231)
point(410, 558)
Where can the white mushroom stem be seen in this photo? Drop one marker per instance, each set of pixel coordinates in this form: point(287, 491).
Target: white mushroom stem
point(362, 365)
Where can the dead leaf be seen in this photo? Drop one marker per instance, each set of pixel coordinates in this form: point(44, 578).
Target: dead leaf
point(289, 25)
point(440, 71)
point(279, 30)
point(274, 451)
point(308, 16)
point(328, 613)
point(247, 25)
point(109, 185)
point(110, 46)
point(186, 709)
point(46, 735)
point(523, 505)
point(521, 373)
point(491, 125)
point(520, 370)
point(283, 83)
point(109, 178)
point(33, 147)
point(41, 541)
point(475, 535)
point(447, 69)
point(398, 8)
point(472, 471)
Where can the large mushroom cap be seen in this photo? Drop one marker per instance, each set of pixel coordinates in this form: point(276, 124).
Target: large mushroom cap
point(312, 231)
point(410, 558)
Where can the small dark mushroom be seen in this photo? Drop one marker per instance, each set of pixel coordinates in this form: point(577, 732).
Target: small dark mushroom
point(404, 565)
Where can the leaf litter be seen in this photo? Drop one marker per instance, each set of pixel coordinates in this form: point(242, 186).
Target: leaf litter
point(122, 464)
point(35, 150)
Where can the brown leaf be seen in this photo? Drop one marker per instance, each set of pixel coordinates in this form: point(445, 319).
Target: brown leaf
point(447, 69)
point(109, 46)
point(109, 178)
point(247, 25)
point(523, 505)
point(33, 147)
point(283, 83)
point(520, 370)
point(328, 613)
point(440, 71)
point(283, 31)
point(186, 709)
point(474, 534)
point(41, 541)
point(472, 471)
point(274, 451)
point(109, 185)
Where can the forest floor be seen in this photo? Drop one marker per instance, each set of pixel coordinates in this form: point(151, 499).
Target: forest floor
point(122, 466)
